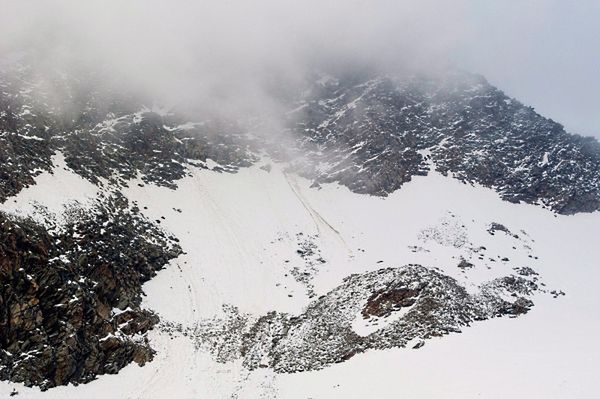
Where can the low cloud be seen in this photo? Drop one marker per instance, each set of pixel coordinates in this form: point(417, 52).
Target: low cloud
point(224, 54)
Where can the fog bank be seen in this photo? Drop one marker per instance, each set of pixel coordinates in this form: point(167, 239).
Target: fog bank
point(225, 54)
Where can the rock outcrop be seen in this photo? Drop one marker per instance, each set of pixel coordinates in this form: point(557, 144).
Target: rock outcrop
point(386, 308)
point(70, 295)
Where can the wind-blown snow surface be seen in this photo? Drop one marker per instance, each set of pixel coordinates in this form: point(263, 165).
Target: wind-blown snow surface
point(241, 233)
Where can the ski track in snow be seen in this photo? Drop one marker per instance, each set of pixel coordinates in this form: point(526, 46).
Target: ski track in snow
point(321, 224)
point(238, 231)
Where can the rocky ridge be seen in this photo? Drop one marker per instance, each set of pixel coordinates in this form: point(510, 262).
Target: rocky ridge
point(366, 131)
point(386, 308)
point(373, 133)
point(70, 298)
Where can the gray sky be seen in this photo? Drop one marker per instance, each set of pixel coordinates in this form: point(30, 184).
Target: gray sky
point(545, 53)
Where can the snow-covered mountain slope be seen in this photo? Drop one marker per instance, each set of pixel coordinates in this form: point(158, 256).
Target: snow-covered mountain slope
point(262, 240)
point(367, 131)
point(416, 235)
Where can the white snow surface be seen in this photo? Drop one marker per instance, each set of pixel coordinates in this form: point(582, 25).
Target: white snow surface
point(53, 193)
point(238, 230)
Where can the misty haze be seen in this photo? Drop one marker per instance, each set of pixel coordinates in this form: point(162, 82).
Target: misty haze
point(299, 199)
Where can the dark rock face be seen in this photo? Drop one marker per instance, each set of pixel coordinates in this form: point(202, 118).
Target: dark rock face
point(145, 144)
point(60, 288)
point(382, 304)
point(21, 159)
point(373, 133)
